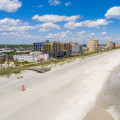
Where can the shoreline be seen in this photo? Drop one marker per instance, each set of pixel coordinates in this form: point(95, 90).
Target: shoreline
point(78, 84)
point(98, 112)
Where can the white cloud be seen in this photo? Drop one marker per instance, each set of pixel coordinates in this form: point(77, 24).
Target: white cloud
point(104, 33)
point(81, 33)
point(40, 6)
point(72, 18)
point(72, 25)
point(97, 23)
point(67, 4)
point(10, 5)
point(59, 36)
point(54, 2)
point(16, 28)
point(17, 34)
point(87, 23)
point(8, 24)
point(113, 12)
point(55, 18)
point(8, 21)
point(43, 30)
point(12, 25)
point(48, 26)
point(92, 34)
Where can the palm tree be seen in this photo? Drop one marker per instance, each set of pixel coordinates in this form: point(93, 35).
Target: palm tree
point(2, 61)
point(8, 60)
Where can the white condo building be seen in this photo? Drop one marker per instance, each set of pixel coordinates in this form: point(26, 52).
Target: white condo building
point(32, 57)
point(76, 48)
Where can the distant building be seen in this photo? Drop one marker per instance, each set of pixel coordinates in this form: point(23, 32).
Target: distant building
point(103, 48)
point(11, 63)
point(41, 55)
point(93, 45)
point(56, 49)
point(1, 52)
point(3, 56)
point(76, 48)
point(7, 50)
point(31, 57)
point(28, 58)
point(25, 51)
point(111, 45)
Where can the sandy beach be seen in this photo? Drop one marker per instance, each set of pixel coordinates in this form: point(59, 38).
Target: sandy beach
point(65, 93)
point(98, 114)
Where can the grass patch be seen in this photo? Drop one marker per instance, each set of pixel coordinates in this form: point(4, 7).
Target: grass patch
point(8, 72)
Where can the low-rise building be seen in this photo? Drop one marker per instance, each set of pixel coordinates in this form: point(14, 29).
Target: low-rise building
point(28, 58)
point(11, 63)
point(41, 55)
point(103, 48)
point(31, 57)
point(3, 56)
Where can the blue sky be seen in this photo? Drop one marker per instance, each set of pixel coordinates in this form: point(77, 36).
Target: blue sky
point(28, 21)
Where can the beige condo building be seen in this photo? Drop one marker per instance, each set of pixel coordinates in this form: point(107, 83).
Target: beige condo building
point(110, 44)
point(93, 45)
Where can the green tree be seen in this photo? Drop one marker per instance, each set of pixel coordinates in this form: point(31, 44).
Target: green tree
point(10, 57)
point(2, 61)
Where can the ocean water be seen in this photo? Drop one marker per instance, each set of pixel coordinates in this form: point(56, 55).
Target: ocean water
point(109, 98)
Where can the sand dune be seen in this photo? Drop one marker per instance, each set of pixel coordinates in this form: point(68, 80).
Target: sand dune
point(66, 93)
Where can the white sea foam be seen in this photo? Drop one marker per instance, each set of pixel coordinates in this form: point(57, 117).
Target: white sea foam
point(110, 97)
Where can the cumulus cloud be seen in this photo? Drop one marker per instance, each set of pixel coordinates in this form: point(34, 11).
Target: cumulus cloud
point(48, 26)
point(92, 34)
point(97, 23)
point(8, 21)
point(43, 30)
point(8, 24)
point(67, 4)
point(72, 25)
point(40, 6)
point(17, 34)
point(54, 2)
point(113, 12)
point(60, 35)
point(87, 23)
point(12, 25)
point(55, 18)
point(81, 33)
point(10, 5)
point(104, 33)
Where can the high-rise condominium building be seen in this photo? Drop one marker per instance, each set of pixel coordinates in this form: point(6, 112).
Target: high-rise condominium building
point(76, 48)
point(93, 45)
point(110, 44)
point(54, 49)
point(57, 49)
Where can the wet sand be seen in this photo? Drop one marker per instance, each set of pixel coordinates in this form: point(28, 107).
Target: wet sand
point(98, 114)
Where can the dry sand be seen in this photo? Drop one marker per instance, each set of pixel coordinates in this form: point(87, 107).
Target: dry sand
point(65, 93)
